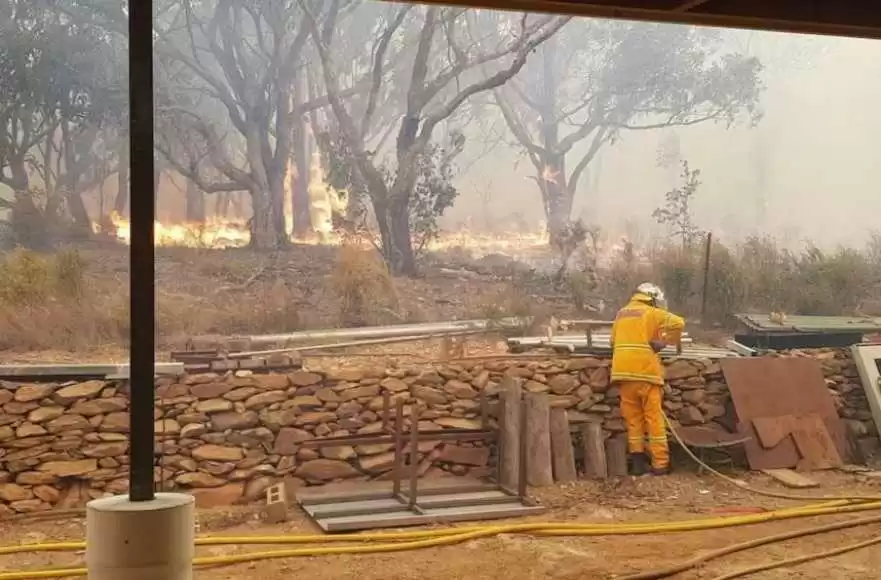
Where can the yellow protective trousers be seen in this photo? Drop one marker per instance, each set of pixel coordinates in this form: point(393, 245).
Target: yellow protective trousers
point(643, 415)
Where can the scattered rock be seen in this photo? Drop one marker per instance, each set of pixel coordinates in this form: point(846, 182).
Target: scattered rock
point(321, 470)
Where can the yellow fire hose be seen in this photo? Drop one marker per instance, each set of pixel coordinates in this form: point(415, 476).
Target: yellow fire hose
point(374, 543)
point(385, 542)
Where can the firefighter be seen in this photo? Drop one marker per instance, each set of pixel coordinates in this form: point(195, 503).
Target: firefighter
point(640, 331)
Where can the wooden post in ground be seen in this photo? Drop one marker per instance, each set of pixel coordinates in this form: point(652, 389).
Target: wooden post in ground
point(509, 434)
point(594, 451)
point(539, 471)
point(616, 456)
point(561, 447)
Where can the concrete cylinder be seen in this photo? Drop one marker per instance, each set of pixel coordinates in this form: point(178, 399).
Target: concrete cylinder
point(150, 540)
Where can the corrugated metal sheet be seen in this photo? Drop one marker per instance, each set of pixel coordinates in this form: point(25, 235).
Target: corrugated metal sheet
point(834, 324)
point(600, 345)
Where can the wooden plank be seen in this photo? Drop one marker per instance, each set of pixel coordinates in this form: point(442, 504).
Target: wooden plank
point(562, 454)
point(815, 445)
point(509, 454)
point(616, 456)
point(351, 508)
point(459, 499)
point(435, 516)
point(790, 478)
point(771, 431)
point(539, 471)
point(594, 448)
point(365, 490)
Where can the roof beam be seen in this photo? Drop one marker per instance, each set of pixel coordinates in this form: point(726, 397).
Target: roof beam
point(857, 18)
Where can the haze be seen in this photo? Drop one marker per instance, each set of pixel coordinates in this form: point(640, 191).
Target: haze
point(816, 145)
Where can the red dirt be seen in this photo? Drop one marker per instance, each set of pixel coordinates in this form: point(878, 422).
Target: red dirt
point(515, 557)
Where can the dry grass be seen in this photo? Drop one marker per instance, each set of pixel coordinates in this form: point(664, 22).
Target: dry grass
point(363, 286)
point(44, 304)
point(77, 300)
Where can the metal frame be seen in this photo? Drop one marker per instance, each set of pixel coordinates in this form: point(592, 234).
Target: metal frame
point(405, 490)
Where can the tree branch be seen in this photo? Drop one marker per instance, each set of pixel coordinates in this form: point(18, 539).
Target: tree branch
point(492, 82)
point(377, 72)
point(596, 144)
point(519, 130)
point(193, 175)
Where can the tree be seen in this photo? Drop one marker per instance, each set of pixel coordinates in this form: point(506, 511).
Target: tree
point(61, 103)
point(599, 78)
point(449, 64)
point(676, 212)
point(234, 68)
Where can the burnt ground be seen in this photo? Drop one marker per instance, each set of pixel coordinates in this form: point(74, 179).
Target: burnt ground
point(682, 496)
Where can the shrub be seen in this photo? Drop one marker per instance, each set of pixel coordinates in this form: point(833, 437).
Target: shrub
point(755, 276)
point(363, 285)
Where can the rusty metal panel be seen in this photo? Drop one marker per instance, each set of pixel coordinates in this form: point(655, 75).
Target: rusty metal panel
point(763, 388)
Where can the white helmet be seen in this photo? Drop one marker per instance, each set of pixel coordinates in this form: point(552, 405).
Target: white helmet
point(653, 292)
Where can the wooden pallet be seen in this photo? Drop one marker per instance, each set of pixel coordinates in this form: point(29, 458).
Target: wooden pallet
point(439, 502)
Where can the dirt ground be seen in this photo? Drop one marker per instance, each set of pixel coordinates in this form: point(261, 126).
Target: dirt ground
point(520, 557)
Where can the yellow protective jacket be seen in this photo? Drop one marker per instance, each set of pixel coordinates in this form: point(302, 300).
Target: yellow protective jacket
point(635, 326)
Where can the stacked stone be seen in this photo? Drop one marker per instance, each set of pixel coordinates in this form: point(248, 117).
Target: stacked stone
point(227, 437)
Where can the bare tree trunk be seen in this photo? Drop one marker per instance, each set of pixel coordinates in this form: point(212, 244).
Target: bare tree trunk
point(221, 208)
point(81, 221)
point(122, 191)
point(29, 226)
point(302, 224)
point(157, 179)
point(393, 220)
point(557, 197)
point(276, 200)
point(195, 203)
point(262, 234)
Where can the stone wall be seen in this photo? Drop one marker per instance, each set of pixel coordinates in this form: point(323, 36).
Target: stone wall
point(226, 438)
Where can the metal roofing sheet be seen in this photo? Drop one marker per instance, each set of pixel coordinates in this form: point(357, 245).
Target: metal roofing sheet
point(855, 324)
point(601, 346)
